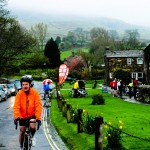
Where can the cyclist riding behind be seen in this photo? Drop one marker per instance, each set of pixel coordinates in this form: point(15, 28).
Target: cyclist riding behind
point(47, 88)
point(27, 106)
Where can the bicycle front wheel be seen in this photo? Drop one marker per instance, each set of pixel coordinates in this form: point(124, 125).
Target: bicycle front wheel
point(27, 143)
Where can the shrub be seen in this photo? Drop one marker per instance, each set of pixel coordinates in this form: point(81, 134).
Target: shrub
point(113, 135)
point(85, 74)
point(97, 74)
point(74, 114)
point(89, 124)
point(98, 99)
point(144, 93)
point(123, 74)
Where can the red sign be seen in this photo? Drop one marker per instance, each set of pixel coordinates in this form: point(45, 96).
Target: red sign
point(63, 73)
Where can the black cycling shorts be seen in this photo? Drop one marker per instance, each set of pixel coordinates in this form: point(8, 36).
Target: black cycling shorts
point(22, 122)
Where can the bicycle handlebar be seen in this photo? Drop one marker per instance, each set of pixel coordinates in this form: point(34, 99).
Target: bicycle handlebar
point(38, 125)
point(16, 125)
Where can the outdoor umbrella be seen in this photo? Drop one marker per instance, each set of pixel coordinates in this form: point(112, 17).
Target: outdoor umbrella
point(47, 81)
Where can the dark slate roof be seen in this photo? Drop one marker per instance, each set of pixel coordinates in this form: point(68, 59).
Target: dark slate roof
point(124, 53)
point(147, 48)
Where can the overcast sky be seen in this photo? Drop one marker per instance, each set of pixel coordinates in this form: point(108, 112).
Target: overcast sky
point(130, 11)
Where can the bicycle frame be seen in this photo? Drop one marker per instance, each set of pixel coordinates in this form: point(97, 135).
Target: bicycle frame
point(27, 142)
point(81, 93)
point(48, 94)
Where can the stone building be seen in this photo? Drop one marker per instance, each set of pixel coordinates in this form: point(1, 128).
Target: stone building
point(133, 60)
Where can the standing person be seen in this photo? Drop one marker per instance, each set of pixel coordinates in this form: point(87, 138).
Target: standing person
point(27, 106)
point(120, 87)
point(95, 84)
point(113, 85)
point(75, 88)
point(130, 85)
point(135, 86)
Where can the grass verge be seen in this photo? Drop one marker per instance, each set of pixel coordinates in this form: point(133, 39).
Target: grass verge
point(134, 116)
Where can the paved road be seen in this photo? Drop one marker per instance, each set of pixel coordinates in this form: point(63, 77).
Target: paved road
point(47, 138)
point(8, 134)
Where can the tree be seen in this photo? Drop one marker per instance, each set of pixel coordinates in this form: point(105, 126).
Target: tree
point(99, 32)
point(39, 32)
point(75, 62)
point(52, 52)
point(58, 40)
point(131, 37)
point(113, 34)
point(81, 36)
point(14, 40)
point(33, 61)
point(88, 59)
point(100, 40)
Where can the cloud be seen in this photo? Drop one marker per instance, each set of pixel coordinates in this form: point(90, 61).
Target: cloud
point(131, 11)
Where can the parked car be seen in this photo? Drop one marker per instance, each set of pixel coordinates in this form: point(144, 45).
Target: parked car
point(4, 80)
point(13, 89)
point(3, 95)
point(31, 78)
point(6, 89)
point(11, 81)
point(18, 84)
point(70, 79)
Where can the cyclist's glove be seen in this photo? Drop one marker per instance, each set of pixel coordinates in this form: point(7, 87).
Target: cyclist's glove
point(39, 123)
point(16, 121)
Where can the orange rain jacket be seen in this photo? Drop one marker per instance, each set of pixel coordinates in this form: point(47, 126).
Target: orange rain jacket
point(27, 105)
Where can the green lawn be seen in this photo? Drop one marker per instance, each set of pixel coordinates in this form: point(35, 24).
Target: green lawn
point(65, 54)
point(136, 119)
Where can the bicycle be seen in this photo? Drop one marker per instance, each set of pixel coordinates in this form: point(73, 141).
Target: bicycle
point(81, 93)
point(49, 94)
point(48, 98)
point(27, 138)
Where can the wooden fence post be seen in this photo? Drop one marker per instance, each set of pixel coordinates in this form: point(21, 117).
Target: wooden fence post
point(68, 114)
point(60, 104)
point(98, 133)
point(80, 121)
point(63, 108)
point(57, 96)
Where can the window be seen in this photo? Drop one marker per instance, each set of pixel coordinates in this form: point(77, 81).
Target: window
point(137, 75)
point(139, 61)
point(129, 61)
point(134, 75)
point(140, 75)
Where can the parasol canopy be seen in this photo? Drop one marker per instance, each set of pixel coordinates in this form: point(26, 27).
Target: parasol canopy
point(47, 81)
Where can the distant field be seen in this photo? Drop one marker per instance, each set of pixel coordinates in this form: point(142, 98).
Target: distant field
point(65, 54)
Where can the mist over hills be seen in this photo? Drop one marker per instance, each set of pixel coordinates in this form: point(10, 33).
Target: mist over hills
point(61, 24)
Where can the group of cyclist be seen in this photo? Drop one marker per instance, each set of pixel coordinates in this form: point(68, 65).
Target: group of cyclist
point(118, 88)
point(28, 106)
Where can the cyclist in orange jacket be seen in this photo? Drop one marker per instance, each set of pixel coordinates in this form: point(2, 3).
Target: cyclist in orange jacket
point(27, 106)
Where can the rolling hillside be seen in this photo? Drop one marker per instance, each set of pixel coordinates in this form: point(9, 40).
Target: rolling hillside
point(61, 24)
